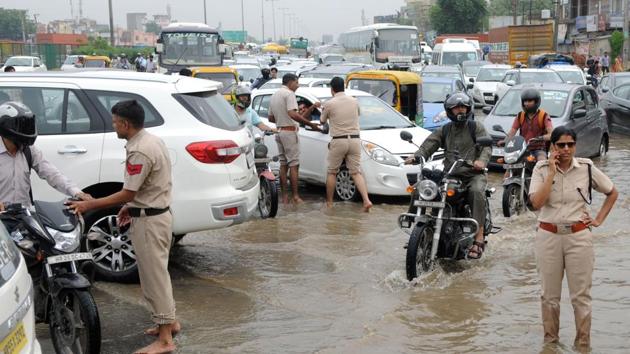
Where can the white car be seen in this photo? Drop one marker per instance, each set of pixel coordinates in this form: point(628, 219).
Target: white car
point(17, 314)
point(383, 151)
point(215, 184)
point(303, 81)
point(526, 76)
point(68, 64)
point(25, 64)
point(570, 73)
point(484, 88)
point(247, 73)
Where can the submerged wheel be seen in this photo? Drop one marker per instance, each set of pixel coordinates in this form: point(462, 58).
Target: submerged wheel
point(345, 188)
point(511, 200)
point(419, 251)
point(268, 199)
point(603, 148)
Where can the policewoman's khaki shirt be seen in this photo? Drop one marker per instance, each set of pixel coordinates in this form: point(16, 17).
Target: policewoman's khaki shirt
point(565, 204)
point(148, 171)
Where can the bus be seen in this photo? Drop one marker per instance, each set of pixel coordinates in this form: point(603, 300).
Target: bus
point(389, 44)
point(183, 45)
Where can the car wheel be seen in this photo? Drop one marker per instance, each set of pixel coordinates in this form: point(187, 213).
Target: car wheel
point(111, 248)
point(603, 148)
point(345, 188)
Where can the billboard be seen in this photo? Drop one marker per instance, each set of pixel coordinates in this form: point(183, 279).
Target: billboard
point(235, 36)
point(591, 23)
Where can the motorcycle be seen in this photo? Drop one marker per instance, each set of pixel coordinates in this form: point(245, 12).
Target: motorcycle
point(519, 162)
point(268, 197)
point(49, 237)
point(442, 226)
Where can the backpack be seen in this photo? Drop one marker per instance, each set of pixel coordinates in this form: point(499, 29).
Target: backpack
point(541, 119)
point(472, 129)
point(28, 154)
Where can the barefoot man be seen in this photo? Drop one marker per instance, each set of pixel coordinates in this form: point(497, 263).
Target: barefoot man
point(283, 111)
point(146, 196)
point(342, 114)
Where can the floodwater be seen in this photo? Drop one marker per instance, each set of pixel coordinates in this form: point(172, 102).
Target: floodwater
point(308, 282)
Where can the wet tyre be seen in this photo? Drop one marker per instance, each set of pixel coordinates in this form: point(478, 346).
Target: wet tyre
point(268, 199)
point(511, 200)
point(345, 189)
point(603, 148)
point(75, 328)
point(419, 251)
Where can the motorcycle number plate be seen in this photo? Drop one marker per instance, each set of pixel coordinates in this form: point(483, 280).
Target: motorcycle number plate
point(513, 166)
point(250, 160)
point(498, 151)
point(84, 256)
point(15, 341)
point(426, 204)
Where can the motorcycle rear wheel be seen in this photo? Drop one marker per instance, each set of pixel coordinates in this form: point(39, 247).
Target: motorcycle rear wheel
point(419, 251)
point(78, 328)
point(511, 200)
point(268, 199)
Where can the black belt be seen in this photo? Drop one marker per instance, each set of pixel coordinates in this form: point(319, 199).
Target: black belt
point(347, 137)
point(136, 212)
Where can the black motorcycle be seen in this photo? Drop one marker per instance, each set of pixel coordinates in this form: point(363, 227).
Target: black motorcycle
point(268, 197)
point(49, 237)
point(442, 226)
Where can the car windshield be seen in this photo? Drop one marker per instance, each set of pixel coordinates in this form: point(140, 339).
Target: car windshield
point(445, 74)
point(456, 58)
point(571, 76)
point(249, 74)
point(383, 89)
point(227, 79)
point(553, 102)
point(376, 114)
point(534, 77)
point(70, 60)
point(95, 63)
point(395, 42)
point(19, 62)
point(472, 69)
point(211, 109)
point(491, 75)
point(434, 92)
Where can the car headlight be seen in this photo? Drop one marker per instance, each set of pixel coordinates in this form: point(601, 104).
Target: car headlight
point(511, 157)
point(379, 154)
point(427, 189)
point(440, 117)
point(66, 241)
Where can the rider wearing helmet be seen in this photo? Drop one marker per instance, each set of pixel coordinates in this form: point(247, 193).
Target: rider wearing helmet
point(266, 76)
point(242, 104)
point(458, 139)
point(532, 122)
point(18, 132)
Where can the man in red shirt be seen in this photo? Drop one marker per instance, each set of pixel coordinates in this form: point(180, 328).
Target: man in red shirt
point(532, 122)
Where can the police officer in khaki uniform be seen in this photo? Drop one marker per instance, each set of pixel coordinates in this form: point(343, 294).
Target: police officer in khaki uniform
point(561, 189)
point(343, 113)
point(146, 194)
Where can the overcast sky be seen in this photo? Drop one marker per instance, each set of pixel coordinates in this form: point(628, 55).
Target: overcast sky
point(316, 16)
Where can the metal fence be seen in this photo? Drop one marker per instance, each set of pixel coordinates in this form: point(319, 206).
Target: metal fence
point(53, 55)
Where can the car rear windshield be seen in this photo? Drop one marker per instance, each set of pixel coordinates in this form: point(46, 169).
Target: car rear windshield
point(491, 75)
point(539, 77)
point(435, 92)
point(553, 102)
point(574, 77)
point(210, 108)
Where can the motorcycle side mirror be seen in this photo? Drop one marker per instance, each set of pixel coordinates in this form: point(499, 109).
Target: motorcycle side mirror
point(498, 128)
point(406, 136)
point(484, 141)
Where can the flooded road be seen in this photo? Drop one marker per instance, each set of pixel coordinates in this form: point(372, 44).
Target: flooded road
point(308, 282)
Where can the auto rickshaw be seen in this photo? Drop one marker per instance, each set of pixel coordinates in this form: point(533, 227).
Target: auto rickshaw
point(275, 48)
point(401, 89)
point(96, 61)
point(225, 75)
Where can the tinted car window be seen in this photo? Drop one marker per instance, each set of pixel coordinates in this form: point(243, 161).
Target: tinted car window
point(210, 108)
point(106, 100)
point(590, 101)
point(77, 117)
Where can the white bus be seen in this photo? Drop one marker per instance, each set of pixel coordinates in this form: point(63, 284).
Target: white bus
point(384, 43)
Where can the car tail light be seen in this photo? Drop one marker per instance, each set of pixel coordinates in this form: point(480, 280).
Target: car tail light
point(218, 151)
point(230, 212)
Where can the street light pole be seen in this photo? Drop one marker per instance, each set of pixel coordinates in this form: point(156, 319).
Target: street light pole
point(284, 21)
point(273, 14)
point(111, 24)
point(243, 22)
point(205, 13)
point(262, 12)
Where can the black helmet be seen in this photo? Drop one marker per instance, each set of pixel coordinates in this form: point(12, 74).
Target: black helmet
point(528, 95)
point(457, 100)
point(266, 73)
point(17, 123)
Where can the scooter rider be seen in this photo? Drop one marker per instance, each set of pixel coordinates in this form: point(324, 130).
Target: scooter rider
point(242, 106)
point(532, 122)
point(18, 156)
point(460, 136)
point(266, 76)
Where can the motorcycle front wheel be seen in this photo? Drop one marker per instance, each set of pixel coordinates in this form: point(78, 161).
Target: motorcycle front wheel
point(75, 327)
point(268, 199)
point(511, 200)
point(419, 251)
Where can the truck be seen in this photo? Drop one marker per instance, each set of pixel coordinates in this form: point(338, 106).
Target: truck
point(527, 40)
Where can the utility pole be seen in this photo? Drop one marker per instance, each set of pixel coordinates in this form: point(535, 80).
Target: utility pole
point(205, 13)
point(111, 24)
point(262, 12)
point(273, 14)
point(284, 21)
point(243, 22)
point(530, 12)
point(514, 12)
point(556, 19)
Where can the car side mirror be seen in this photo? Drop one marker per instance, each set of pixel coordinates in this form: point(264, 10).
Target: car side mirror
point(406, 136)
point(498, 128)
point(510, 83)
point(486, 110)
point(472, 79)
point(605, 89)
point(579, 113)
point(484, 141)
point(470, 86)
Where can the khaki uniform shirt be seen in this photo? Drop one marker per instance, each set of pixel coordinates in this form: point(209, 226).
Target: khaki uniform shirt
point(565, 204)
point(343, 113)
point(283, 101)
point(148, 171)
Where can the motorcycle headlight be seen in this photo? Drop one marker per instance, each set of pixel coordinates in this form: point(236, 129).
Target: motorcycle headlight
point(427, 189)
point(379, 154)
point(260, 151)
point(512, 157)
point(66, 241)
point(440, 117)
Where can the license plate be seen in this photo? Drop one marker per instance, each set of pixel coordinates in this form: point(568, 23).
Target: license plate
point(426, 204)
point(84, 256)
point(250, 160)
point(15, 341)
point(513, 166)
point(498, 152)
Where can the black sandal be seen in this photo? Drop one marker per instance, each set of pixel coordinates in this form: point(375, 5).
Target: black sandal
point(481, 247)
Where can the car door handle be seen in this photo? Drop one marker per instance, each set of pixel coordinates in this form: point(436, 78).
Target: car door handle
point(72, 149)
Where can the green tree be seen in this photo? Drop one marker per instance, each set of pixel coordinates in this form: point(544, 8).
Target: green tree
point(14, 22)
point(458, 16)
point(506, 7)
point(153, 27)
point(616, 45)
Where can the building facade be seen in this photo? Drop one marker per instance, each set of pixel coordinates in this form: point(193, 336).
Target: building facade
point(136, 21)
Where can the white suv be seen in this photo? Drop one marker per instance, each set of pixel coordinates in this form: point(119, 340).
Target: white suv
point(214, 178)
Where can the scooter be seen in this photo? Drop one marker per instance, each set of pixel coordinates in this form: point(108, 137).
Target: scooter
point(50, 237)
point(440, 219)
point(268, 197)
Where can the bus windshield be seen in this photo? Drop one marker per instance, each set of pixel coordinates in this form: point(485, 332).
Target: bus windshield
point(397, 42)
point(190, 48)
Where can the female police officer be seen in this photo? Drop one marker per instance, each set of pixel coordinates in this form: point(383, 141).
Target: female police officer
point(561, 189)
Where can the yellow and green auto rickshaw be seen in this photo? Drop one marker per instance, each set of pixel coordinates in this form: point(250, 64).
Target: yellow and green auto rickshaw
point(401, 89)
point(227, 76)
point(96, 61)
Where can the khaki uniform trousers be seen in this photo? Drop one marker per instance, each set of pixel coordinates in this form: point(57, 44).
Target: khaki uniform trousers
point(151, 238)
point(573, 254)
